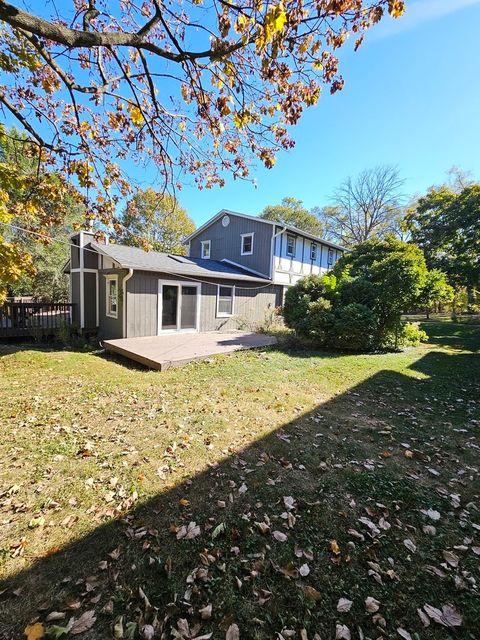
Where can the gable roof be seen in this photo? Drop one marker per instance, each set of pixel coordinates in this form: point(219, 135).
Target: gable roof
point(136, 258)
point(287, 227)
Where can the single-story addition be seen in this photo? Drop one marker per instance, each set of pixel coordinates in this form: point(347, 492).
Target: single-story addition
point(125, 292)
point(236, 273)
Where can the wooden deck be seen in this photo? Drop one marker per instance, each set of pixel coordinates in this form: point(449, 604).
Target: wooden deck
point(177, 349)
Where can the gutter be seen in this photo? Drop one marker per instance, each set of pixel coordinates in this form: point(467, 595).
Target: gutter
point(124, 288)
point(272, 251)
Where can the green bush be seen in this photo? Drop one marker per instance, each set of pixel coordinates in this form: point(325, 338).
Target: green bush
point(411, 335)
point(359, 305)
point(355, 327)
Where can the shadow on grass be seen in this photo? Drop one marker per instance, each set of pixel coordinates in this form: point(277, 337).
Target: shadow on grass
point(333, 462)
point(462, 336)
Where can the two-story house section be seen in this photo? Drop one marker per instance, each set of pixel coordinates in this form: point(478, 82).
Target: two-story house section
point(281, 253)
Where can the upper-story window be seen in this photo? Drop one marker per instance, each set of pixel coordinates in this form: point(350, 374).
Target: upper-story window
point(205, 252)
point(313, 252)
point(247, 244)
point(290, 245)
point(330, 257)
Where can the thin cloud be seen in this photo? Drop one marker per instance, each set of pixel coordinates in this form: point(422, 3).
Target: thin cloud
point(418, 13)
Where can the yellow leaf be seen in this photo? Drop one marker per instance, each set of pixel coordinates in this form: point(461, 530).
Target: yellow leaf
point(35, 631)
point(396, 8)
point(334, 547)
point(136, 115)
point(184, 502)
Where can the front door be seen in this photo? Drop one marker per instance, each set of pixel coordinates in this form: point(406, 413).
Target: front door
point(178, 306)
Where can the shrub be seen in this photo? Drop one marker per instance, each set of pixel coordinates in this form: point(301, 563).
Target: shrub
point(298, 299)
point(411, 335)
point(355, 327)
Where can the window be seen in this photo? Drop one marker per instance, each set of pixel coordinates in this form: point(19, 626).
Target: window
point(313, 252)
point(247, 244)
point(330, 257)
point(225, 296)
point(206, 249)
point(111, 308)
point(290, 245)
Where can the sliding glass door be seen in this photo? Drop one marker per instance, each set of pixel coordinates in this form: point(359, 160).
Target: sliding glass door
point(178, 306)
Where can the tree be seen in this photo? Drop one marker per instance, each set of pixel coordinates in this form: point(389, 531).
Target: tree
point(194, 87)
point(154, 220)
point(36, 205)
point(365, 207)
point(292, 212)
point(446, 225)
point(436, 291)
point(394, 271)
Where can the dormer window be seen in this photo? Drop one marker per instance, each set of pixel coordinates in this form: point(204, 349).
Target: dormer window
point(313, 252)
point(205, 250)
point(290, 245)
point(247, 244)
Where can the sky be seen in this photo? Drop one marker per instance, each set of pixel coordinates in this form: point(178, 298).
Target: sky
point(411, 98)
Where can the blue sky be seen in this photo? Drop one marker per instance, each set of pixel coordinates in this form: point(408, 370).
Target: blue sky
point(411, 98)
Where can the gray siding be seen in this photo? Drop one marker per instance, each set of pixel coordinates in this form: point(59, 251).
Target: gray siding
point(251, 307)
point(142, 304)
point(90, 300)
point(110, 328)
point(225, 242)
point(75, 297)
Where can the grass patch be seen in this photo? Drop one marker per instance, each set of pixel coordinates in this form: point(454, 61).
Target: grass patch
point(105, 466)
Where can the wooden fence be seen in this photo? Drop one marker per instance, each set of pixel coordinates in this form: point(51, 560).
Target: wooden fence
point(36, 319)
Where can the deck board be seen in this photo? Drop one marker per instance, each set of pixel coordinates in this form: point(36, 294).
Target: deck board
point(177, 349)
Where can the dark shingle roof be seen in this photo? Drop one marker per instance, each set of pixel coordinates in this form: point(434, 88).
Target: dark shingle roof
point(135, 258)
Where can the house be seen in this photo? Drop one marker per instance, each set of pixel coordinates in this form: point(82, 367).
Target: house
point(236, 273)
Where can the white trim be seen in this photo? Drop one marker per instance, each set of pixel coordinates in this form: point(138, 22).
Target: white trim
point(124, 301)
point(222, 314)
point(241, 266)
point(251, 235)
point(180, 284)
point(291, 255)
point(202, 243)
point(108, 313)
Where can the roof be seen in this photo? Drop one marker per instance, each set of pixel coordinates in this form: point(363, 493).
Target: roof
point(272, 223)
point(136, 258)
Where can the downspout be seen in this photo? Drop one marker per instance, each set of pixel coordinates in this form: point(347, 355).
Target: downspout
point(274, 237)
point(124, 289)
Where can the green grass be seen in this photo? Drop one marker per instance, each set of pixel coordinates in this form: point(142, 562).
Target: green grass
point(98, 455)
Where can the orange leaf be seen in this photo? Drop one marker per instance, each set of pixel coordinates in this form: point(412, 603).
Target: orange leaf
point(35, 631)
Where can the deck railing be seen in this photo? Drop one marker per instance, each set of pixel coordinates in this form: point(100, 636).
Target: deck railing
point(35, 319)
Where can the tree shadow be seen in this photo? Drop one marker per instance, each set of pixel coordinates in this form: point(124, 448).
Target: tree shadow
point(345, 456)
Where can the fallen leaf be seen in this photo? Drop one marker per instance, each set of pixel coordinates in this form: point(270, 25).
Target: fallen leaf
point(206, 612)
point(334, 547)
point(410, 545)
point(279, 536)
point(450, 616)
point(84, 623)
point(451, 558)
point(342, 632)
point(344, 605)
point(233, 632)
point(311, 593)
point(404, 634)
point(35, 631)
point(372, 605)
point(304, 570)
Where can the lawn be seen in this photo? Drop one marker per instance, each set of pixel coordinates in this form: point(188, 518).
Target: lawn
point(290, 494)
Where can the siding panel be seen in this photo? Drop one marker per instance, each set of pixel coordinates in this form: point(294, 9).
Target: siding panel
point(225, 242)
